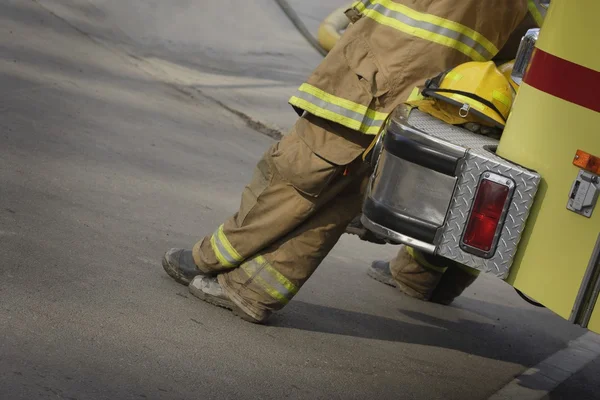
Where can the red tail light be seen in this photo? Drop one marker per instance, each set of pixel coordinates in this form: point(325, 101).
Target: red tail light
point(487, 215)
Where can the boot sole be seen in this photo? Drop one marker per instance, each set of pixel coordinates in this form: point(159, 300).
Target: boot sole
point(381, 278)
point(227, 304)
point(388, 281)
point(174, 273)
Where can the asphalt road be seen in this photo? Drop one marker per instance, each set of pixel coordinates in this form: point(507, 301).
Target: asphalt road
point(246, 54)
point(106, 161)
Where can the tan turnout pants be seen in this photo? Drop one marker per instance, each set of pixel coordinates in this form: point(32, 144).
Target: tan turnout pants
point(305, 190)
point(430, 278)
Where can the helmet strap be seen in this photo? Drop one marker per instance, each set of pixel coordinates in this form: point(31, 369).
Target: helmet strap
point(428, 90)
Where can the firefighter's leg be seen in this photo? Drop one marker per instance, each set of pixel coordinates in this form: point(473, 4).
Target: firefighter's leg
point(424, 277)
point(294, 179)
point(267, 281)
point(453, 283)
point(415, 274)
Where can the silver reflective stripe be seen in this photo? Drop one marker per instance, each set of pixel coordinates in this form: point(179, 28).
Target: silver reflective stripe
point(431, 28)
point(356, 116)
point(225, 253)
point(275, 284)
point(221, 251)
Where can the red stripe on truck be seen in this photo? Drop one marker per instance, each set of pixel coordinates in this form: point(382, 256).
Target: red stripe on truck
point(564, 79)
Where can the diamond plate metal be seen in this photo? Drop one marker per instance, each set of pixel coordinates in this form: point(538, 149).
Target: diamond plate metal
point(450, 133)
point(527, 183)
point(477, 161)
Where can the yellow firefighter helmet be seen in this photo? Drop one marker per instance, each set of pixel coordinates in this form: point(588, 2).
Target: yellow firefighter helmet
point(471, 92)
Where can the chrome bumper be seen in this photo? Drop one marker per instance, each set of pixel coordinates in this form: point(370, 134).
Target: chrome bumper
point(423, 185)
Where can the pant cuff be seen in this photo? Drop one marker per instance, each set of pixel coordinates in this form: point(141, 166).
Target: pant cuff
point(202, 261)
point(250, 309)
point(411, 292)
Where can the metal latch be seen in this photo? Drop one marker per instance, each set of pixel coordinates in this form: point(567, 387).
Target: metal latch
point(464, 110)
point(584, 193)
point(353, 14)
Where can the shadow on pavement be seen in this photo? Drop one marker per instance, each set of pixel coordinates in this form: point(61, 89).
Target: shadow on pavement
point(494, 341)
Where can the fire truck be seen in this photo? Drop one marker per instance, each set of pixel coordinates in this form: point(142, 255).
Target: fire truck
point(522, 208)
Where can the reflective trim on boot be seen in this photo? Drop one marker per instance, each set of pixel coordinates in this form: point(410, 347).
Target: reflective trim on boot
point(422, 260)
point(209, 289)
point(179, 265)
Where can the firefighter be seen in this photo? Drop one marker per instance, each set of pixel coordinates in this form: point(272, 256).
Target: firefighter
point(426, 277)
point(308, 186)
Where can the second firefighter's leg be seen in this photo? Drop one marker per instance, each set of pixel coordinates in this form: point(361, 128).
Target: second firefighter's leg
point(453, 283)
point(424, 277)
point(268, 281)
point(414, 275)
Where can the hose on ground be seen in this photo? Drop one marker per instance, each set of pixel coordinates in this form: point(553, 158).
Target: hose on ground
point(527, 299)
point(332, 27)
point(291, 14)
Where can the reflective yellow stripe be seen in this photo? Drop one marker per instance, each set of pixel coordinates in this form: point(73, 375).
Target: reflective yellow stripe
point(332, 116)
point(468, 270)
point(265, 286)
point(455, 76)
point(345, 112)
point(270, 280)
point(290, 287)
point(537, 11)
point(224, 251)
point(502, 98)
point(361, 4)
point(222, 260)
point(429, 27)
point(347, 104)
point(418, 257)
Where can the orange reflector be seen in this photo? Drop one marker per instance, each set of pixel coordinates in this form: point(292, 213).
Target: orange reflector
point(587, 161)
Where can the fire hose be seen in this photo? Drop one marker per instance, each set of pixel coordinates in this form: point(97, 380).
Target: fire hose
point(330, 29)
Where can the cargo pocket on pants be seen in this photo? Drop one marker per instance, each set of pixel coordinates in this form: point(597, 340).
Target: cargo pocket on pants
point(363, 62)
point(302, 168)
point(260, 182)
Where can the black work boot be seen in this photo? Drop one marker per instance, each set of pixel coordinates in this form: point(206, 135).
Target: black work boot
point(380, 271)
point(453, 283)
point(180, 265)
point(207, 288)
point(355, 227)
